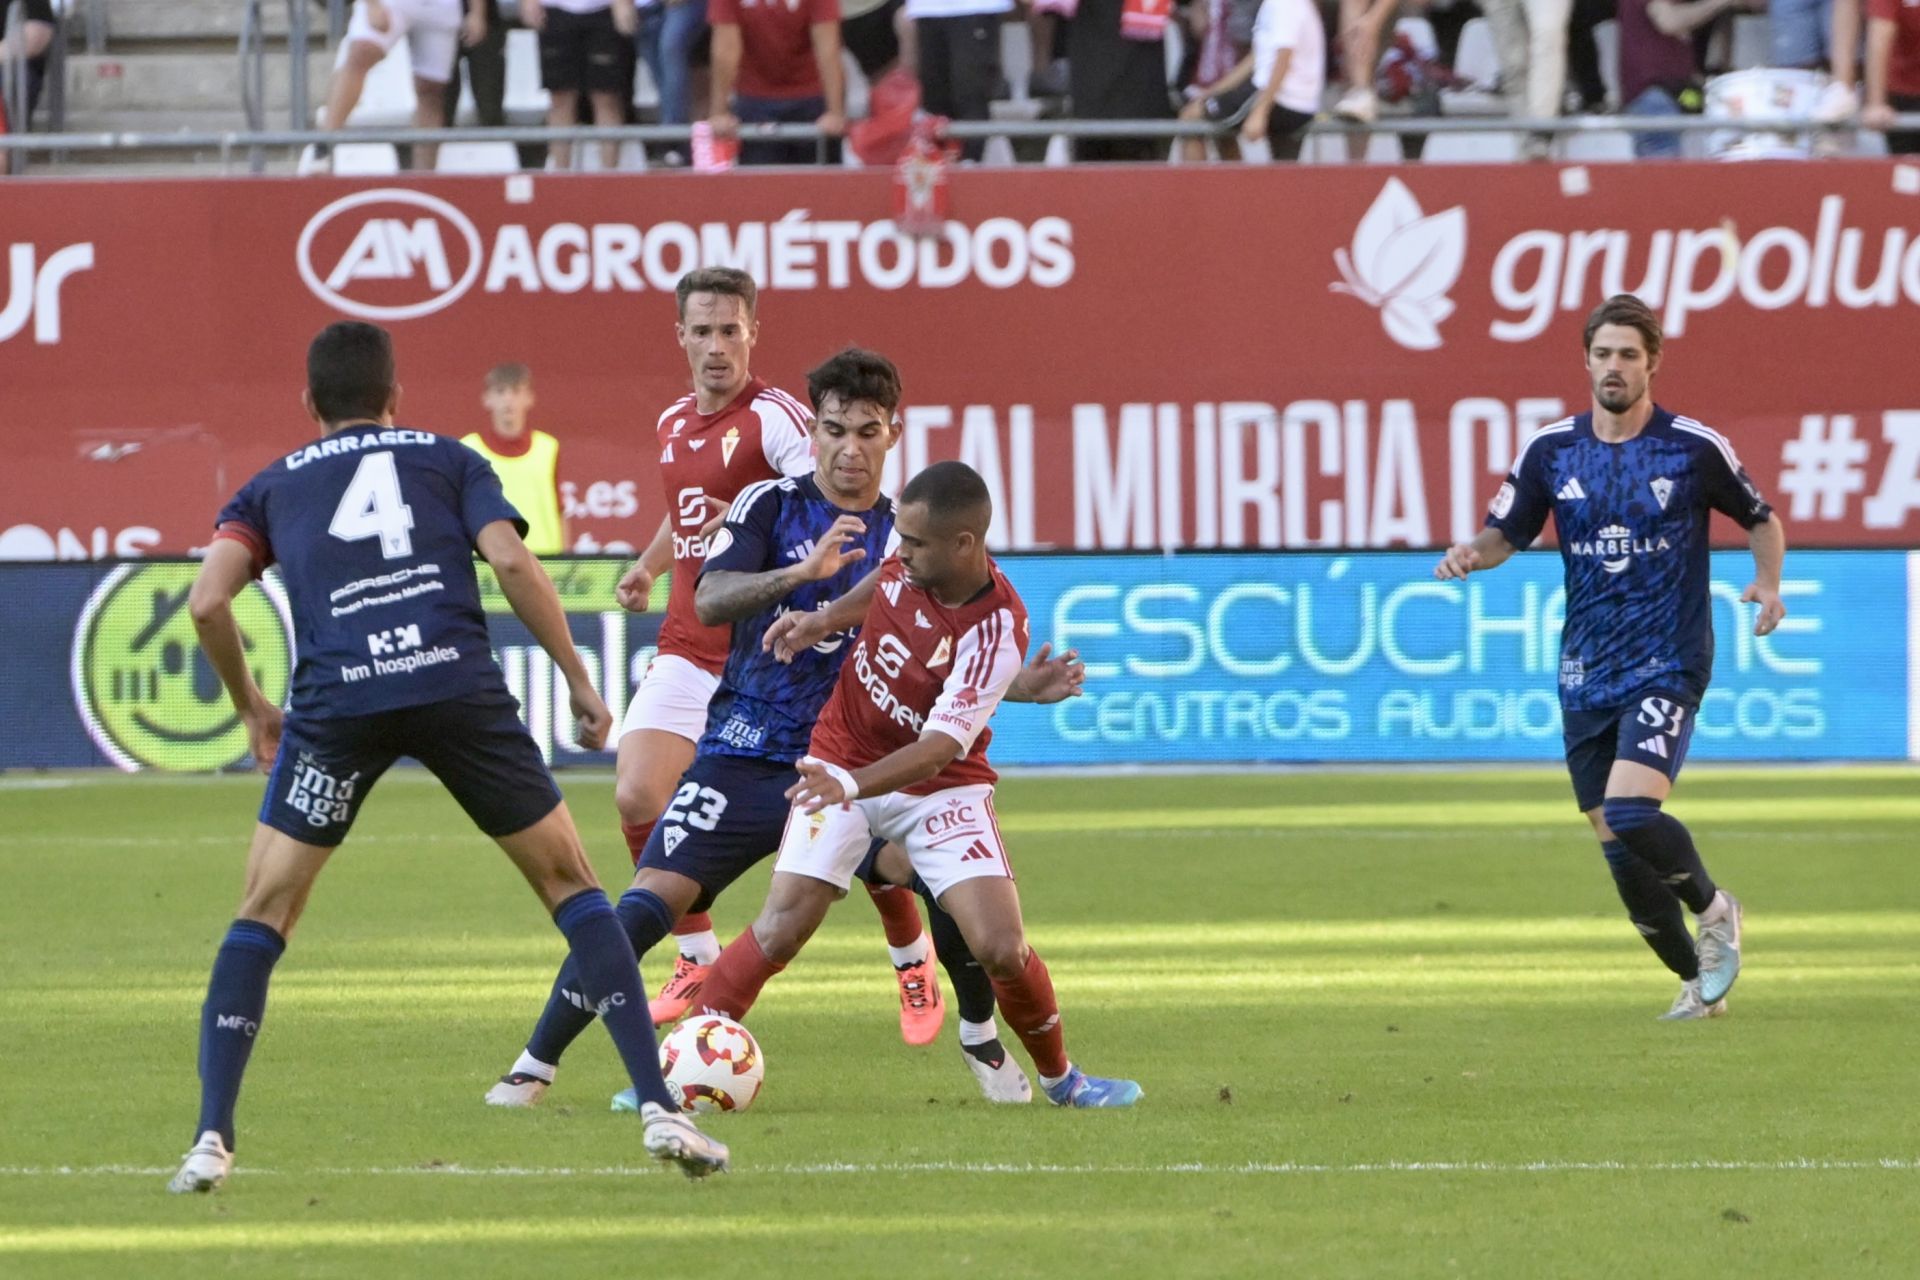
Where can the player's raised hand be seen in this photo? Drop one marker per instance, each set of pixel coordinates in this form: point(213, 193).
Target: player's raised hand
point(831, 553)
point(1771, 609)
point(820, 785)
point(592, 722)
point(634, 589)
point(1461, 559)
point(1046, 678)
point(793, 633)
point(263, 735)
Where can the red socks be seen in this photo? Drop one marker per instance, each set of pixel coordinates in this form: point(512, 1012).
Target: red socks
point(899, 913)
point(693, 922)
point(734, 981)
point(1028, 1005)
point(637, 834)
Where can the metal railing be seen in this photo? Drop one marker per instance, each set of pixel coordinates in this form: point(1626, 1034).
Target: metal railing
point(256, 142)
point(253, 63)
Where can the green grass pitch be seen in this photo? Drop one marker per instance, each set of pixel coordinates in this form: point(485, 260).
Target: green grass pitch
point(1387, 1024)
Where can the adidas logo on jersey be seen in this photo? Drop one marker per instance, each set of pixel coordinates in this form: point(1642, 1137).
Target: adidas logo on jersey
point(920, 620)
point(1656, 745)
point(891, 590)
point(1662, 490)
point(672, 837)
point(1571, 490)
point(666, 454)
point(801, 551)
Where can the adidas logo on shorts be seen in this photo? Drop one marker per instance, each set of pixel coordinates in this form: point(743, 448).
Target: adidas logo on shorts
point(1656, 746)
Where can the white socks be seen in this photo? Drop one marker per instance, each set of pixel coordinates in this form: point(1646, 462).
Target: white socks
point(528, 1065)
point(978, 1032)
point(920, 949)
point(701, 948)
point(1717, 909)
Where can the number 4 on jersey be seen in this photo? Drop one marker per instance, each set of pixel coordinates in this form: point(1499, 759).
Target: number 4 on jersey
point(371, 508)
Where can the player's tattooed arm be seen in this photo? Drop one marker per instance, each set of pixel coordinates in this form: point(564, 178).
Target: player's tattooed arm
point(1046, 678)
point(793, 633)
point(726, 595)
point(223, 575)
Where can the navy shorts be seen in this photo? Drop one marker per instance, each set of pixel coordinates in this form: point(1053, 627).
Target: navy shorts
point(476, 746)
point(726, 815)
point(1654, 730)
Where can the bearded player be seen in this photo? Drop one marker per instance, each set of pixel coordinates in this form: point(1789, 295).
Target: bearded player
point(900, 754)
point(732, 431)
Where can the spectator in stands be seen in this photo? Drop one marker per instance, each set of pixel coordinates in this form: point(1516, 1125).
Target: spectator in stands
point(669, 43)
point(1839, 101)
point(586, 47)
point(1531, 37)
point(1893, 70)
point(1220, 48)
point(1659, 63)
point(37, 24)
point(777, 63)
point(1363, 25)
point(958, 43)
point(527, 461)
point(870, 30)
point(1799, 31)
point(484, 67)
point(433, 30)
point(1586, 88)
point(1117, 70)
point(1289, 75)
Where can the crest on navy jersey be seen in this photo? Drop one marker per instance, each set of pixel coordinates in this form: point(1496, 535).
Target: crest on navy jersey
point(1662, 490)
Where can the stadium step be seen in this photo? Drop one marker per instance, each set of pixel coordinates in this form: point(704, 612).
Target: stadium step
point(177, 81)
point(153, 20)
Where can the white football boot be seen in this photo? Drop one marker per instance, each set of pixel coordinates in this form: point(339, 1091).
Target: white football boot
point(1719, 946)
point(1001, 1082)
point(670, 1135)
point(517, 1089)
point(206, 1166)
point(1688, 1004)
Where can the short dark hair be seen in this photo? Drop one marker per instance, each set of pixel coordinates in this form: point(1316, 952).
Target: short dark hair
point(855, 375)
point(723, 280)
point(350, 371)
point(1624, 309)
point(953, 494)
point(510, 374)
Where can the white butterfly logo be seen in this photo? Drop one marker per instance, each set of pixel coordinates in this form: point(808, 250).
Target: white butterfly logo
point(1403, 262)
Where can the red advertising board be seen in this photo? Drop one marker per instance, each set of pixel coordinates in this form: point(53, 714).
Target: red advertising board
point(1226, 356)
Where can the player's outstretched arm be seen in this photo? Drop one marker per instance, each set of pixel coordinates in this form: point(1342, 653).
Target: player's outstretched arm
point(1488, 550)
point(1769, 543)
point(728, 595)
point(223, 575)
point(822, 784)
point(524, 582)
point(1046, 678)
point(793, 633)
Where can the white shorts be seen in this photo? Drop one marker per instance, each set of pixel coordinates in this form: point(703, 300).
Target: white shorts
point(949, 836)
point(431, 29)
point(672, 697)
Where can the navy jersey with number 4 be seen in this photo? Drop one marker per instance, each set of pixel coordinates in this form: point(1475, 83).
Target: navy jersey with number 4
point(765, 708)
point(1632, 522)
point(373, 528)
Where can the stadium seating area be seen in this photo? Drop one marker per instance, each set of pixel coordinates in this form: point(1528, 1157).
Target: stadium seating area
point(145, 66)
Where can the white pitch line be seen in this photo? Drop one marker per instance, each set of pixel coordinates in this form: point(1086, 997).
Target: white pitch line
point(1802, 1165)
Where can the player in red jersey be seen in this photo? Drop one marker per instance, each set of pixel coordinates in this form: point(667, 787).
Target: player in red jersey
point(732, 431)
point(900, 753)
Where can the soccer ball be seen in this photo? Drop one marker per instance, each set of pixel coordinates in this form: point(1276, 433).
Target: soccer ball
point(712, 1063)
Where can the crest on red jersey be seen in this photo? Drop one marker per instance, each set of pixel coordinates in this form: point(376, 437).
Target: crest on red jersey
point(728, 443)
point(941, 652)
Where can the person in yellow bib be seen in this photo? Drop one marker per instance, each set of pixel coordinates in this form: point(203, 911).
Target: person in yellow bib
point(527, 461)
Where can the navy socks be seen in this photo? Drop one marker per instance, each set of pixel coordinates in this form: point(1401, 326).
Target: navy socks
point(1663, 843)
point(230, 1019)
point(610, 983)
point(646, 920)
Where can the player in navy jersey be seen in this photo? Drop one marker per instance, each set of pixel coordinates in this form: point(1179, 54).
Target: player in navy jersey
point(789, 547)
point(374, 528)
point(1631, 488)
